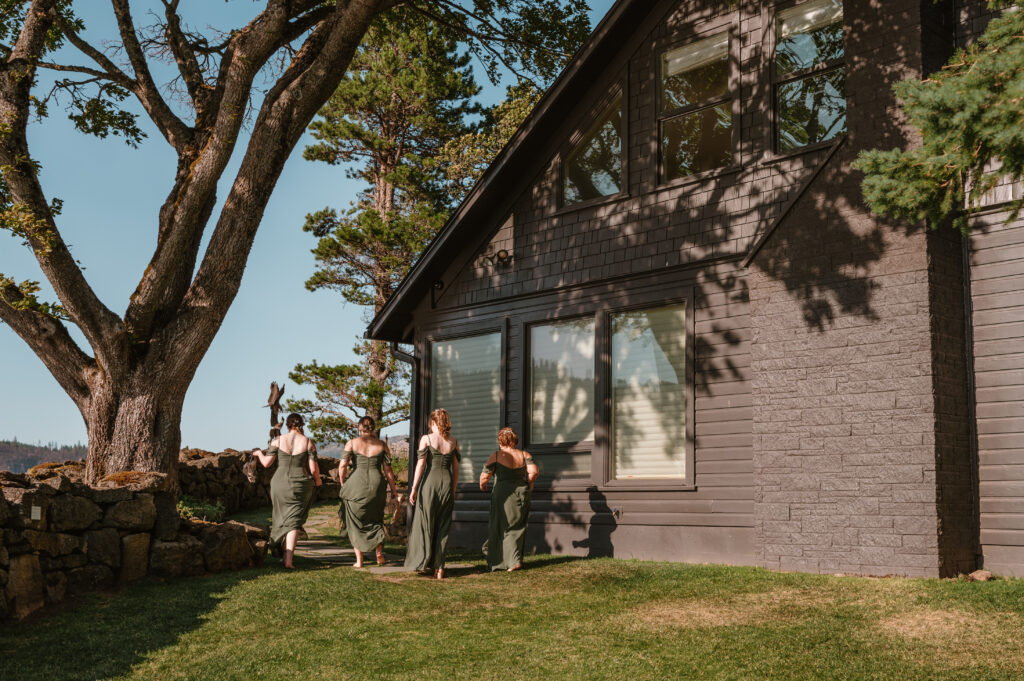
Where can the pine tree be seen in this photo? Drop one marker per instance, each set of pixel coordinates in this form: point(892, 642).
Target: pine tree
point(408, 90)
point(971, 121)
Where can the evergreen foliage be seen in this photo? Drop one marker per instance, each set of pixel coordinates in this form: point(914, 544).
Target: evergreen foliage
point(401, 123)
point(971, 121)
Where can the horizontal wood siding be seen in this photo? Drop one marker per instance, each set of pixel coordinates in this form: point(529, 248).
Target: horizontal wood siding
point(997, 297)
point(566, 514)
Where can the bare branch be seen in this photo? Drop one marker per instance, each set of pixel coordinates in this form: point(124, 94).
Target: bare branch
point(184, 56)
point(174, 130)
point(97, 56)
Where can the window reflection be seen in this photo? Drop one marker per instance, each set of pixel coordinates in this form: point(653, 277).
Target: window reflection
point(594, 167)
point(696, 125)
point(810, 89)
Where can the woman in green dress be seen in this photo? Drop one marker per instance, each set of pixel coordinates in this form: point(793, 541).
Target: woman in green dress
point(432, 496)
point(292, 487)
point(513, 471)
point(363, 491)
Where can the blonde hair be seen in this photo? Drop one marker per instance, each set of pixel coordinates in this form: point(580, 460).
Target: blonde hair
point(439, 417)
point(507, 437)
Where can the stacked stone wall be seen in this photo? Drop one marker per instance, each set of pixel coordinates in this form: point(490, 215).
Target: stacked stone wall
point(236, 481)
point(60, 537)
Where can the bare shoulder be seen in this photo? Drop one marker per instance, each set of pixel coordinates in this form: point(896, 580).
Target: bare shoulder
point(424, 441)
point(276, 442)
point(492, 458)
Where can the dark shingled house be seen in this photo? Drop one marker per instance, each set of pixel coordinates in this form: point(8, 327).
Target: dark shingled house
point(669, 284)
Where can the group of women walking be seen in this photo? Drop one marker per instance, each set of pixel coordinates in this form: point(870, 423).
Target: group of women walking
point(366, 475)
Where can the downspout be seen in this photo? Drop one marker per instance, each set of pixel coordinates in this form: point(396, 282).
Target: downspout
point(972, 405)
point(414, 364)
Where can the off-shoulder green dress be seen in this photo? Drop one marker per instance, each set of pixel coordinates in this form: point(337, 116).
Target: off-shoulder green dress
point(432, 514)
point(510, 511)
point(291, 493)
point(364, 495)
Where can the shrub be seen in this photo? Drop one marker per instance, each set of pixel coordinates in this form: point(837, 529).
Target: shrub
point(189, 509)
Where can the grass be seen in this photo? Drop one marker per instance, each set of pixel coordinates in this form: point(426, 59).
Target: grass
point(561, 618)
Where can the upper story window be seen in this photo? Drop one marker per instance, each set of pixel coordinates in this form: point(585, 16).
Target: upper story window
point(594, 166)
point(696, 108)
point(810, 74)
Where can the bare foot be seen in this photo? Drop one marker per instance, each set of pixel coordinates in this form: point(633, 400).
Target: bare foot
point(440, 573)
point(380, 556)
point(514, 568)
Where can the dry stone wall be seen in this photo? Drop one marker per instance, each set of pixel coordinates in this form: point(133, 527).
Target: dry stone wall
point(60, 537)
point(231, 479)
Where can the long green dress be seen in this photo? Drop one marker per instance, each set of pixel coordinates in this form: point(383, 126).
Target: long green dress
point(510, 511)
point(364, 495)
point(291, 493)
point(432, 514)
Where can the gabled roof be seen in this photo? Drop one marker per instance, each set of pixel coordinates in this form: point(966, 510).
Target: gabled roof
point(508, 168)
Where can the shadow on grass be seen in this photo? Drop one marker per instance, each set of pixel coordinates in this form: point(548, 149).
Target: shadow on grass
point(102, 635)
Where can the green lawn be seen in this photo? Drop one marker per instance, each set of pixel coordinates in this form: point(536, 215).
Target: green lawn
point(559, 619)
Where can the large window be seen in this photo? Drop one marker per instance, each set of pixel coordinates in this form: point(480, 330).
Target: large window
point(810, 99)
point(648, 383)
point(562, 394)
point(466, 381)
point(593, 167)
point(696, 108)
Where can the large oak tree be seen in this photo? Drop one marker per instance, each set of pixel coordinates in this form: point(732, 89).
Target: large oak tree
point(131, 386)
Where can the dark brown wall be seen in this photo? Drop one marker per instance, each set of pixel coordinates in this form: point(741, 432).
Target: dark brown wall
point(827, 437)
point(861, 452)
point(711, 523)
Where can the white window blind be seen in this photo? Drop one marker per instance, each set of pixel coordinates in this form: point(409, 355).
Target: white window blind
point(649, 394)
point(466, 381)
point(809, 16)
point(695, 55)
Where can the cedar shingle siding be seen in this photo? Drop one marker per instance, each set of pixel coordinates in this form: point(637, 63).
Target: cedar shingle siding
point(831, 413)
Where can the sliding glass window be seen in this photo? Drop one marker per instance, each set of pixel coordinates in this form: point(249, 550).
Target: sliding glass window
point(466, 380)
point(648, 405)
point(696, 108)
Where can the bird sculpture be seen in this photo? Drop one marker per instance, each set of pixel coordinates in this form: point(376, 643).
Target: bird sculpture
point(274, 402)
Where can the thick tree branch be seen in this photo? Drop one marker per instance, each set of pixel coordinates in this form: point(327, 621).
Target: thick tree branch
point(50, 341)
point(314, 73)
point(187, 209)
point(29, 209)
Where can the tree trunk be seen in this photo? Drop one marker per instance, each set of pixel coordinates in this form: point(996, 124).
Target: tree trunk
point(137, 428)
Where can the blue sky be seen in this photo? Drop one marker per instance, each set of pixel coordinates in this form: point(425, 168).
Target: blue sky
point(111, 196)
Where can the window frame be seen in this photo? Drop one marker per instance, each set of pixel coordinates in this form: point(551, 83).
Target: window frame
point(600, 449)
point(547, 448)
point(770, 15)
point(605, 412)
point(479, 328)
point(583, 126)
point(734, 90)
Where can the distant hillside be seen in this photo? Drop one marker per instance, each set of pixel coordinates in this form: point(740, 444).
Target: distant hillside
point(18, 457)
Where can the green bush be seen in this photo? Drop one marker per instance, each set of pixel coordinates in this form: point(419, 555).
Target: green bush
point(189, 508)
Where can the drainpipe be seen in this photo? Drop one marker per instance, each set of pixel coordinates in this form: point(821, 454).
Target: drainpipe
point(414, 364)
